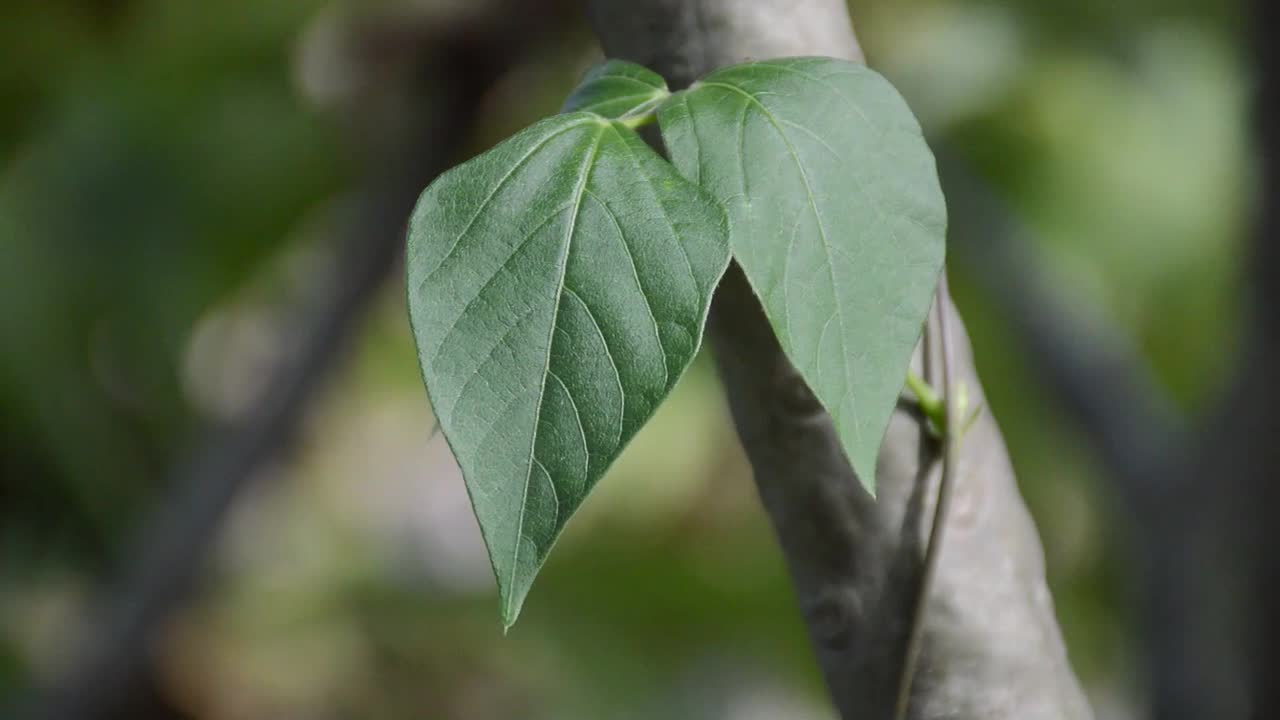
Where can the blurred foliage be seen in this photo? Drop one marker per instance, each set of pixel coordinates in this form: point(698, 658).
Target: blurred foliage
point(161, 177)
point(158, 155)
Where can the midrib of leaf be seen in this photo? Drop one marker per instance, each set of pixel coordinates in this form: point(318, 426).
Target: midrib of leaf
point(587, 167)
point(826, 248)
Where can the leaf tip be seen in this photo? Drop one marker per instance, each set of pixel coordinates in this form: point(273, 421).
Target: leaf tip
point(863, 461)
point(509, 617)
point(511, 600)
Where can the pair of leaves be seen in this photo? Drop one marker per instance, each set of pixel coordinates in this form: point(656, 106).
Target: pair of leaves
point(559, 283)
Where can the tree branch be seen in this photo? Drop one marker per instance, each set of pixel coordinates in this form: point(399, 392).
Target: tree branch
point(939, 331)
point(991, 646)
point(1110, 397)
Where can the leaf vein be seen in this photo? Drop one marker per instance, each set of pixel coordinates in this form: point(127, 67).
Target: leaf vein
point(587, 166)
point(822, 233)
point(555, 494)
point(435, 355)
point(635, 273)
point(466, 385)
point(493, 193)
point(582, 431)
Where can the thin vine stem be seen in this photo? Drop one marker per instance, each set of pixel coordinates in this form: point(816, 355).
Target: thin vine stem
point(934, 546)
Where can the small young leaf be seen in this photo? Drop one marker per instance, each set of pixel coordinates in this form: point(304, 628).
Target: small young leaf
point(616, 88)
point(836, 216)
point(558, 287)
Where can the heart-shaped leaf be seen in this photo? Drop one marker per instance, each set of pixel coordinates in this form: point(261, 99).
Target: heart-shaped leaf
point(616, 88)
point(558, 287)
point(836, 216)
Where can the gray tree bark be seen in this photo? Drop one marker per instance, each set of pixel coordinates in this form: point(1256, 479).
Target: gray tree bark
point(991, 645)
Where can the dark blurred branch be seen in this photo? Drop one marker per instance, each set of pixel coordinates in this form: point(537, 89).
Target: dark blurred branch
point(1259, 381)
point(175, 545)
point(1108, 393)
point(461, 64)
point(1091, 369)
point(1229, 650)
point(1202, 500)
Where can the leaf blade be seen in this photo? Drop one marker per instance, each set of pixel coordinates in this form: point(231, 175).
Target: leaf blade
point(617, 88)
point(595, 263)
point(834, 207)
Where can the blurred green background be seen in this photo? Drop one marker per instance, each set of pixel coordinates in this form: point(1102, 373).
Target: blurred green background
point(168, 171)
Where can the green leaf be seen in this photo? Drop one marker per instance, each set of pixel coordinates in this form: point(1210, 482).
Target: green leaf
point(558, 287)
point(616, 88)
point(836, 216)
